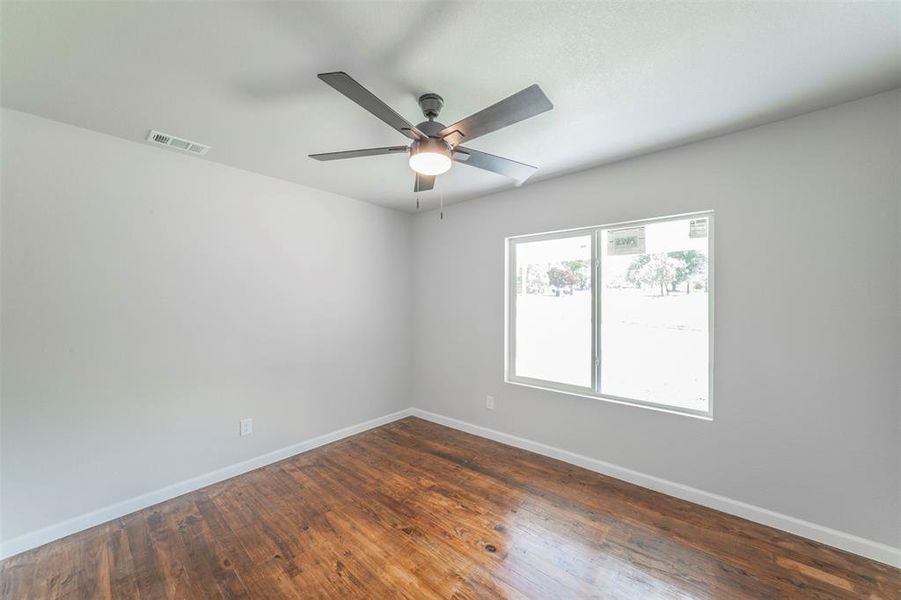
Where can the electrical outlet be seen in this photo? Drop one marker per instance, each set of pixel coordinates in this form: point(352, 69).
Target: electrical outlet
point(489, 402)
point(246, 427)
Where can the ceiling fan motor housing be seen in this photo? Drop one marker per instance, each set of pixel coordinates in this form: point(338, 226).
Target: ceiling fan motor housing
point(431, 128)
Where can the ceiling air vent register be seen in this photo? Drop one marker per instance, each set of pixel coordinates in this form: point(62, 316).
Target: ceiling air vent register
point(164, 139)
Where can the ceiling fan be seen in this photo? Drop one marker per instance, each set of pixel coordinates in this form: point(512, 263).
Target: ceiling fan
point(435, 146)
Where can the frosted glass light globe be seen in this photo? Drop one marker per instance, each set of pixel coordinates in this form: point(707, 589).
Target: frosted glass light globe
point(430, 163)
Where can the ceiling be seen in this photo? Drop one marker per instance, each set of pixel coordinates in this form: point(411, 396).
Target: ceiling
point(625, 78)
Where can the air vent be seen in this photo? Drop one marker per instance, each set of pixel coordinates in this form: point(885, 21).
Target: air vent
point(164, 139)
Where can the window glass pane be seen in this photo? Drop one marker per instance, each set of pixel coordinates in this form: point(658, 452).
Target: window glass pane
point(553, 310)
point(654, 313)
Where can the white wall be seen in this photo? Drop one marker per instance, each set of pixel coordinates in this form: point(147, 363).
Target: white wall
point(807, 316)
point(151, 299)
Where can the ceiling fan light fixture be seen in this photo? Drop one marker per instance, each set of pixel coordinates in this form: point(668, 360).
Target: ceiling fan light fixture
point(430, 157)
point(430, 163)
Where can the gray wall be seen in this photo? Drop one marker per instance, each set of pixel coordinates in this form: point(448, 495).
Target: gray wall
point(807, 316)
point(150, 300)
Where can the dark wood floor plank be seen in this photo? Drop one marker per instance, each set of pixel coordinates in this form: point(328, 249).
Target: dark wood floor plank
point(473, 529)
point(415, 510)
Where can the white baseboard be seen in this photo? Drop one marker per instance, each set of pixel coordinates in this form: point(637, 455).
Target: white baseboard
point(114, 511)
point(825, 535)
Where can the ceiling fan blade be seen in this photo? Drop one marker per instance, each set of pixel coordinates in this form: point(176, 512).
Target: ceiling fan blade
point(424, 183)
point(346, 84)
point(358, 153)
point(504, 166)
point(521, 105)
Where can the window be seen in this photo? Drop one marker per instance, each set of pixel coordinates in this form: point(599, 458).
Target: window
point(620, 312)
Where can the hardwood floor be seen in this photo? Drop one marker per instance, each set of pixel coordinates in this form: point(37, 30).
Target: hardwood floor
point(417, 510)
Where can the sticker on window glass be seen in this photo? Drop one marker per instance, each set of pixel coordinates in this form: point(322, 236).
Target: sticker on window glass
point(697, 228)
point(625, 241)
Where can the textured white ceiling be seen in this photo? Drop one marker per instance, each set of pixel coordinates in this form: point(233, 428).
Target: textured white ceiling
point(625, 78)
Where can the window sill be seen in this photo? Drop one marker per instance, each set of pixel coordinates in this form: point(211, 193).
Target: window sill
point(708, 416)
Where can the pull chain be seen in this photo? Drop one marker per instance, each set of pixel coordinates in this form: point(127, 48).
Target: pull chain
point(442, 205)
point(417, 201)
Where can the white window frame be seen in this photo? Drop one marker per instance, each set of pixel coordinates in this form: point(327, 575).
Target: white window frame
point(593, 392)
